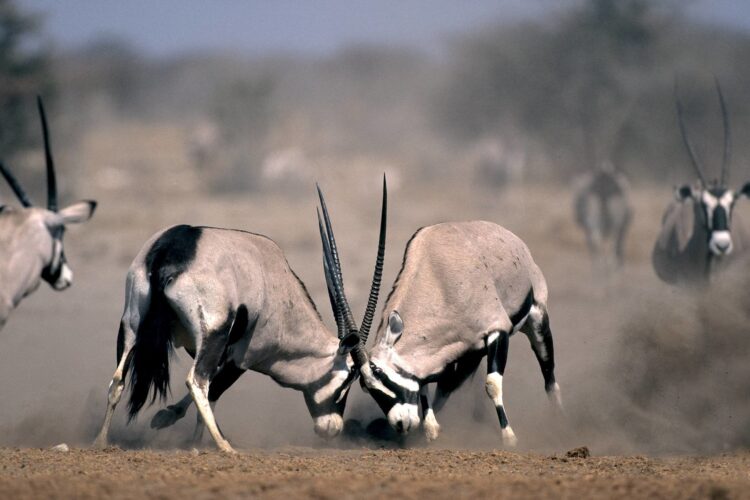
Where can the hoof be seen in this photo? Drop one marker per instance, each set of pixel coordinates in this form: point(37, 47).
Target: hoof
point(431, 426)
point(509, 437)
point(100, 443)
point(165, 418)
point(227, 449)
point(555, 398)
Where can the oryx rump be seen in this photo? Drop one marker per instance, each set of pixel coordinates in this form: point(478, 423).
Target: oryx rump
point(31, 238)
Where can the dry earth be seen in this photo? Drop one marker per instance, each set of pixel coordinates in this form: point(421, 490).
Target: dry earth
point(415, 474)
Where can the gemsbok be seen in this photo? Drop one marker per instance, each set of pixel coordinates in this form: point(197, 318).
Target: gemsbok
point(696, 235)
point(230, 299)
point(463, 290)
point(603, 212)
point(31, 238)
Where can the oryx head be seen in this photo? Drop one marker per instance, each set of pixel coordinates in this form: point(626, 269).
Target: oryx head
point(715, 199)
point(352, 339)
point(47, 226)
point(400, 402)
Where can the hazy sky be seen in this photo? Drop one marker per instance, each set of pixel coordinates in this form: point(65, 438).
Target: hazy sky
point(165, 27)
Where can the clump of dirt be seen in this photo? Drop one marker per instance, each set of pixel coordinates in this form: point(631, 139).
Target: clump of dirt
point(580, 452)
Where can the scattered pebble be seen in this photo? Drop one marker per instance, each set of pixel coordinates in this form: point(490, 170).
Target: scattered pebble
point(580, 452)
point(62, 447)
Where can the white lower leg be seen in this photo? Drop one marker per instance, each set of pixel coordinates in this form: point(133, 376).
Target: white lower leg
point(199, 391)
point(494, 387)
point(114, 394)
point(554, 396)
point(431, 425)
point(199, 426)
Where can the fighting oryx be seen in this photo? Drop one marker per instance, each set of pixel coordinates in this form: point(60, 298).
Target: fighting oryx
point(230, 299)
point(31, 238)
point(603, 211)
point(463, 290)
point(697, 234)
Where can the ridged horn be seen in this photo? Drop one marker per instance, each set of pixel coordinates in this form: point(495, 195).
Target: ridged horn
point(335, 265)
point(372, 301)
point(15, 186)
point(726, 158)
point(685, 139)
point(332, 294)
point(49, 160)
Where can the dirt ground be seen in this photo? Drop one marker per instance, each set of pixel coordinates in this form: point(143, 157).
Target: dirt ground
point(294, 473)
point(57, 357)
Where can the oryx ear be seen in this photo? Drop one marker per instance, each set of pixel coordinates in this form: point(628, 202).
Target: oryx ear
point(78, 212)
point(395, 328)
point(683, 192)
point(745, 191)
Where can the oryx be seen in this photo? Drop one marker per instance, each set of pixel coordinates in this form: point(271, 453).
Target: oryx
point(31, 238)
point(603, 210)
point(463, 290)
point(696, 232)
point(231, 300)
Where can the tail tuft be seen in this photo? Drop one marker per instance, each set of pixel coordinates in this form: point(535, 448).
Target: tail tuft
point(151, 355)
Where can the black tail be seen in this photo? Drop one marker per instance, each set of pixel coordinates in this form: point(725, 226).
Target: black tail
point(151, 354)
point(168, 258)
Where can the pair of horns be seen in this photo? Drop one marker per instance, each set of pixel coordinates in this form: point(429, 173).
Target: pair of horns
point(352, 338)
point(51, 179)
point(694, 159)
point(334, 278)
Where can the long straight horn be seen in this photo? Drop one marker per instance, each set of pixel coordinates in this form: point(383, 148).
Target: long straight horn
point(51, 179)
point(338, 313)
point(372, 301)
point(15, 186)
point(335, 265)
point(727, 135)
point(686, 140)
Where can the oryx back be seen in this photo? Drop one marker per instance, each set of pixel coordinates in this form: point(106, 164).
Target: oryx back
point(461, 280)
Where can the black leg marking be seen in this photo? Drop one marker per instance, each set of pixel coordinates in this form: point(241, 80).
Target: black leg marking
point(228, 375)
point(497, 357)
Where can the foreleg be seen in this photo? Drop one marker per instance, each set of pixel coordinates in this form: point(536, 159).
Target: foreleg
point(497, 356)
point(429, 422)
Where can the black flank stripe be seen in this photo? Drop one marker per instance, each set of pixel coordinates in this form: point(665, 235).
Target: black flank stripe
point(524, 310)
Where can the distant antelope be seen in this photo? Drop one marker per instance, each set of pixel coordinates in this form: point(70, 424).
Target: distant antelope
point(603, 211)
point(31, 238)
point(696, 232)
point(231, 300)
point(463, 290)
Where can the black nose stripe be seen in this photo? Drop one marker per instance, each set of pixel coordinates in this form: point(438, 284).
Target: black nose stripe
point(720, 220)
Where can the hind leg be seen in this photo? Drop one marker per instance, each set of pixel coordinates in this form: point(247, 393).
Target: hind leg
point(137, 301)
point(497, 356)
point(540, 336)
point(228, 375)
point(125, 343)
point(620, 242)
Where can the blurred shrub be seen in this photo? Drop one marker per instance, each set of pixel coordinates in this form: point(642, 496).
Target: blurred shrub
point(24, 72)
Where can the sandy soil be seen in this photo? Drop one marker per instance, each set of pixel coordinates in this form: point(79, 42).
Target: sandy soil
point(291, 473)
